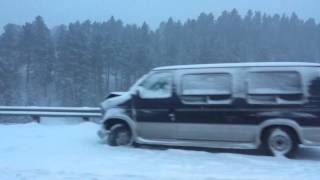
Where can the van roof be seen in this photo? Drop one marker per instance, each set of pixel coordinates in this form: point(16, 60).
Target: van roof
point(256, 64)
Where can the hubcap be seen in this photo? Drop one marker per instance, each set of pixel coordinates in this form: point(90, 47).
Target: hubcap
point(123, 138)
point(279, 142)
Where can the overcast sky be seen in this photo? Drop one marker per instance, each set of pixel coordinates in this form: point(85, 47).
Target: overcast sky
point(57, 12)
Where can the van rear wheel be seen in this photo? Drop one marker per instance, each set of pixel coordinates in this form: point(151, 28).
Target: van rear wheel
point(281, 142)
point(120, 135)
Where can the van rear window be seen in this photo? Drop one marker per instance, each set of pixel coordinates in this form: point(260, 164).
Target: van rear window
point(274, 87)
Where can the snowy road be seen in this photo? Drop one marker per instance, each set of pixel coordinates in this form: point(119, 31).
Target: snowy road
point(73, 152)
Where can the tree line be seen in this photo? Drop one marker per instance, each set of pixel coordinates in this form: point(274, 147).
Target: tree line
point(79, 63)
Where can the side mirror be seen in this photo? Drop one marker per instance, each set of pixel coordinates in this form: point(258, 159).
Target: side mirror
point(138, 92)
point(135, 93)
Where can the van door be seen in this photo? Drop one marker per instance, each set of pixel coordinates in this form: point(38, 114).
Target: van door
point(207, 110)
point(153, 107)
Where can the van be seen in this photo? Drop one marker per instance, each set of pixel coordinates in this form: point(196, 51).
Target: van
point(274, 106)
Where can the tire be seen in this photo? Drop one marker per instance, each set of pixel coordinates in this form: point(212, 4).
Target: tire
point(120, 135)
point(281, 142)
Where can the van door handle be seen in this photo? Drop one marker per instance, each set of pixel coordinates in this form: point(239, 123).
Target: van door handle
point(172, 117)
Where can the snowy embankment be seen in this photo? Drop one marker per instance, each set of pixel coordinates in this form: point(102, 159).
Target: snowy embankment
point(73, 152)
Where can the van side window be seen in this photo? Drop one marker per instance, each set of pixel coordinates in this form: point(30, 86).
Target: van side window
point(158, 85)
point(274, 88)
point(213, 88)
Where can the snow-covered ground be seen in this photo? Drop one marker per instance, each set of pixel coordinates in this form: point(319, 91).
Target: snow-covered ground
point(73, 152)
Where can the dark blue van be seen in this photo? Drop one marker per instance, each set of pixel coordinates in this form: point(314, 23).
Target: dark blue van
point(272, 105)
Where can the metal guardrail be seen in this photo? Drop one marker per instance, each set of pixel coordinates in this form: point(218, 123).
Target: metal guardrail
point(37, 112)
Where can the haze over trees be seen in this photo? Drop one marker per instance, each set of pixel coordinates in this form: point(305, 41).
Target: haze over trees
point(78, 64)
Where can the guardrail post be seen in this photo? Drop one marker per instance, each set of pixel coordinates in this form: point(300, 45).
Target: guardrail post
point(86, 118)
point(36, 118)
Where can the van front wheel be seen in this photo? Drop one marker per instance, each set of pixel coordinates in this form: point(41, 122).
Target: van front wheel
point(120, 135)
point(281, 142)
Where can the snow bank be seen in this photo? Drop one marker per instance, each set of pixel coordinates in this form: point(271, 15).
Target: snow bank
point(73, 152)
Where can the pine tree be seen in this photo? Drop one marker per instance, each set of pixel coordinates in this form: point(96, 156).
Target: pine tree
point(10, 65)
point(38, 53)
